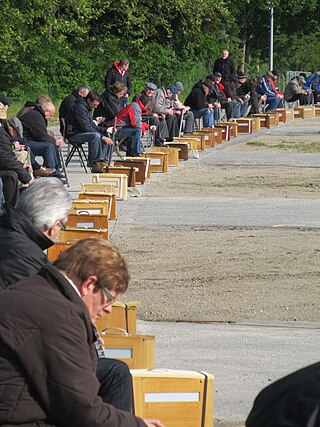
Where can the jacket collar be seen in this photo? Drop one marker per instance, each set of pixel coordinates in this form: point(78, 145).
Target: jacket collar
point(17, 221)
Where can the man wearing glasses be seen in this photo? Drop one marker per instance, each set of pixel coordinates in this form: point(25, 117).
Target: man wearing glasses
point(47, 352)
point(25, 232)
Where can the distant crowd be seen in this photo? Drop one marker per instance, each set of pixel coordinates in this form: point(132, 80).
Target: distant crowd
point(103, 120)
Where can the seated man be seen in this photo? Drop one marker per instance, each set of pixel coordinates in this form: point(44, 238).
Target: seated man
point(247, 90)
point(198, 102)
point(81, 128)
point(163, 107)
point(152, 118)
point(219, 93)
point(268, 88)
point(35, 124)
point(11, 170)
point(188, 116)
point(313, 83)
point(240, 102)
point(28, 230)
point(110, 104)
point(15, 131)
point(68, 102)
point(47, 342)
point(129, 124)
point(294, 91)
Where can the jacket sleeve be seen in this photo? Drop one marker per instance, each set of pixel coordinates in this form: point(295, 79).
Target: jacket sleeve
point(108, 80)
point(58, 365)
point(160, 102)
point(265, 88)
point(38, 128)
point(8, 160)
point(83, 117)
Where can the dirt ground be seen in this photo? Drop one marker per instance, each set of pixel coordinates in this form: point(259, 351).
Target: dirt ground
point(212, 274)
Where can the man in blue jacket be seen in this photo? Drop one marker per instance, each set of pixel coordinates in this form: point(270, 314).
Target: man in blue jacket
point(82, 128)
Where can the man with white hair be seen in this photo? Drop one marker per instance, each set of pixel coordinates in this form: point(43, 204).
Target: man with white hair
point(25, 232)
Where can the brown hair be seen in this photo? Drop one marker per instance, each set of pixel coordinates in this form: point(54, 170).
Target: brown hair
point(95, 257)
point(118, 87)
point(123, 61)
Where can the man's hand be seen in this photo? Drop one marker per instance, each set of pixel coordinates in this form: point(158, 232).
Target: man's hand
point(153, 423)
point(59, 142)
point(107, 140)
point(153, 128)
point(263, 98)
point(110, 129)
point(155, 115)
point(170, 111)
point(31, 182)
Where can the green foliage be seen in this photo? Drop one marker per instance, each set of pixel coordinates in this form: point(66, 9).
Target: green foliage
point(52, 46)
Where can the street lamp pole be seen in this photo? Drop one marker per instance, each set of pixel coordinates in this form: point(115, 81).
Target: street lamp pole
point(271, 36)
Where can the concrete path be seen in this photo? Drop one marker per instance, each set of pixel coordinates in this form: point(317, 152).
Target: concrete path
point(243, 357)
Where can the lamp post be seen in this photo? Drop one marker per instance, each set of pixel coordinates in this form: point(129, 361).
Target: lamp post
point(271, 37)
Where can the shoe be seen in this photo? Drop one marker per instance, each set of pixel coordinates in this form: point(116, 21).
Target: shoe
point(104, 166)
point(96, 167)
point(44, 171)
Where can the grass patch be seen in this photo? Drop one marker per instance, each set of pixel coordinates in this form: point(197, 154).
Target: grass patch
point(257, 144)
point(300, 147)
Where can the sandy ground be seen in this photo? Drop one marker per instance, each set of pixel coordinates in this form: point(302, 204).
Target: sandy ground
point(209, 274)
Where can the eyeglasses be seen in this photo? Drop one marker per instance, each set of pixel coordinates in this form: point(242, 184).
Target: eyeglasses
point(61, 225)
point(109, 297)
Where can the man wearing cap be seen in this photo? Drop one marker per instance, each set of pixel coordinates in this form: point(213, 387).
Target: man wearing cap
point(5, 102)
point(163, 107)
point(151, 118)
point(247, 90)
point(268, 88)
point(220, 95)
point(188, 116)
point(294, 91)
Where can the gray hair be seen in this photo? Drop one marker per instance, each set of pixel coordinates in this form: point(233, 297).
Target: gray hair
point(83, 89)
point(45, 202)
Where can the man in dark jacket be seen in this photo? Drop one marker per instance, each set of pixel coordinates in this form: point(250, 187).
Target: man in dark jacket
point(11, 169)
point(47, 342)
point(35, 123)
point(69, 101)
point(293, 401)
point(225, 66)
point(119, 73)
point(199, 103)
point(81, 128)
point(28, 230)
point(25, 232)
point(110, 104)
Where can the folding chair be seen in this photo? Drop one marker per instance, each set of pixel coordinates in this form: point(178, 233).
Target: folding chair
point(75, 147)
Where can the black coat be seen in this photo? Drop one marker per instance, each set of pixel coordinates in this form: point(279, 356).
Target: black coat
point(79, 119)
point(66, 105)
point(196, 99)
point(8, 160)
point(48, 358)
point(21, 247)
point(113, 76)
point(291, 401)
point(35, 126)
point(225, 67)
point(109, 107)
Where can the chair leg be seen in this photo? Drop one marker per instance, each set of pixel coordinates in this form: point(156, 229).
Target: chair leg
point(64, 168)
point(82, 152)
point(70, 155)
